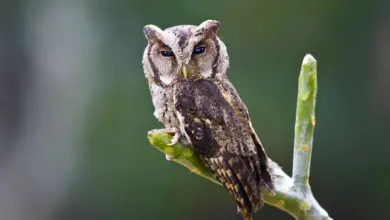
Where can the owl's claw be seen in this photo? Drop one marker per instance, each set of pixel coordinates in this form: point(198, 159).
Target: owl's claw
point(176, 135)
point(175, 139)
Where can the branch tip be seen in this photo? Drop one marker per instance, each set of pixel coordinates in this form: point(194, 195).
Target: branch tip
point(309, 60)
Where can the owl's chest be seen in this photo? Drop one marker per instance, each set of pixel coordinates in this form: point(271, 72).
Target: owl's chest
point(162, 99)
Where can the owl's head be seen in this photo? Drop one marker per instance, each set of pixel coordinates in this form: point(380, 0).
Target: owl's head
point(184, 51)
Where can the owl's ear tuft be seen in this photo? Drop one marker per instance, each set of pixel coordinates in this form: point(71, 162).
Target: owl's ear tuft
point(209, 28)
point(152, 32)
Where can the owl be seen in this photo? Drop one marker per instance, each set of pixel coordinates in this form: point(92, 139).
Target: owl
point(186, 69)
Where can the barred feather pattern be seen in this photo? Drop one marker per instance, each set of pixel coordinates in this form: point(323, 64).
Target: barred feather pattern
point(216, 124)
point(235, 176)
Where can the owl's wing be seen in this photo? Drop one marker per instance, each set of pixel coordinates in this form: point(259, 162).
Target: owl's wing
point(232, 97)
point(224, 140)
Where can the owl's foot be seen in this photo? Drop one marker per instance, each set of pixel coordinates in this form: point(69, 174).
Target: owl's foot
point(176, 135)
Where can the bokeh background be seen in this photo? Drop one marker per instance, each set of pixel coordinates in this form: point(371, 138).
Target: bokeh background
point(75, 107)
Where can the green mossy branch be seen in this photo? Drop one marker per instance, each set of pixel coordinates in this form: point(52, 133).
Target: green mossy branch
point(179, 154)
point(293, 195)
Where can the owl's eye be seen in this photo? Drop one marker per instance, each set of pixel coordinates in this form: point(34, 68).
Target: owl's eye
point(166, 53)
point(199, 50)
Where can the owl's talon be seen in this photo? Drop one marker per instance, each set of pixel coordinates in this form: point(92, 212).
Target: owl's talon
point(175, 139)
point(176, 135)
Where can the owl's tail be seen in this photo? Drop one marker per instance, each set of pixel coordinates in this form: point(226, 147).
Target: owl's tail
point(239, 176)
point(244, 213)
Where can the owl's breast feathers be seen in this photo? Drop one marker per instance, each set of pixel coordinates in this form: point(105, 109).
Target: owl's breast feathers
point(217, 124)
point(162, 98)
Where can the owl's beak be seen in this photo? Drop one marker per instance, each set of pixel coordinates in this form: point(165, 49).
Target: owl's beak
point(184, 70)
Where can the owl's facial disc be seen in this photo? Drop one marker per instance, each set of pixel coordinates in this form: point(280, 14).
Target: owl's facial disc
point(185, 51)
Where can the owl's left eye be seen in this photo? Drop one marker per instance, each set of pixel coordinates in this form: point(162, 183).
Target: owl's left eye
point(199, 50)
point(166, 53)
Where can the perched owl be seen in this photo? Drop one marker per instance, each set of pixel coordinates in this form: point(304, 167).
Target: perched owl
point(186, 69)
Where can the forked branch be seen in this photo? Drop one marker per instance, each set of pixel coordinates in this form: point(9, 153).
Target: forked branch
point(293, 195)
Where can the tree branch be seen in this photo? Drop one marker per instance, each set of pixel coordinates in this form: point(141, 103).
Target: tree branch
point(305, 121)
point(293, 195)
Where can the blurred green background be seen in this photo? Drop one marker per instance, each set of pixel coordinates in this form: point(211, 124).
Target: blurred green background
point(75, 106)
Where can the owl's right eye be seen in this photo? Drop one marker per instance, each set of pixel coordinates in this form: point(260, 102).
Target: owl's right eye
point(166, 53)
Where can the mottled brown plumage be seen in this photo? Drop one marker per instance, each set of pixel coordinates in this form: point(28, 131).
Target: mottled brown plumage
point(222, 137)
point(186, 70)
